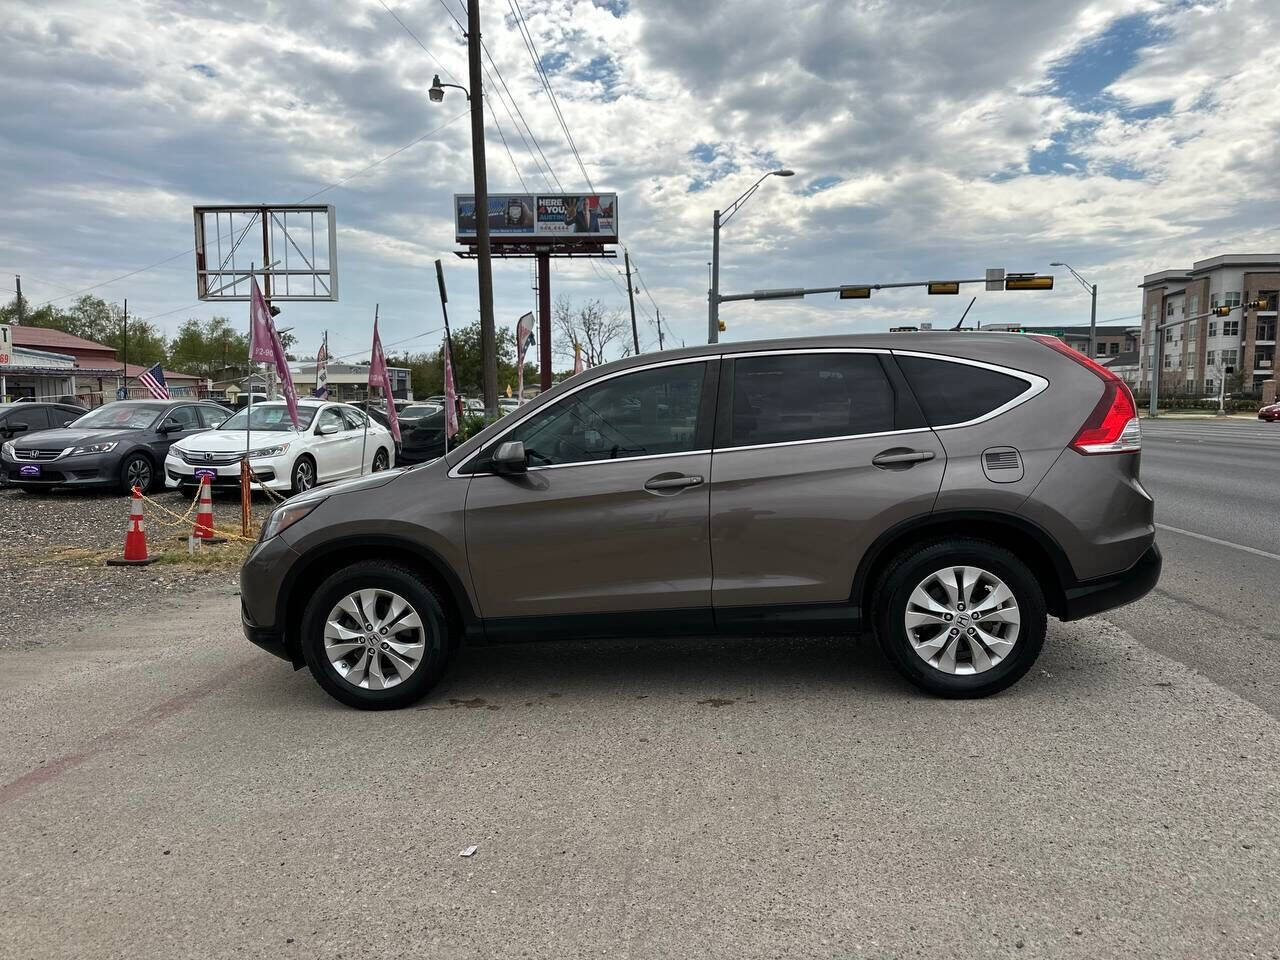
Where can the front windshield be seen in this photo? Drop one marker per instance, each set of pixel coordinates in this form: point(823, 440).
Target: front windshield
point(420, 410)
point(120, 416)
point(269, 416)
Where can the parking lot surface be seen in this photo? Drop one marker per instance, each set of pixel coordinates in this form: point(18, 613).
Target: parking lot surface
point(182, 794)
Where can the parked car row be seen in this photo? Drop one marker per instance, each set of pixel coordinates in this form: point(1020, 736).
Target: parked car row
point(146, 443)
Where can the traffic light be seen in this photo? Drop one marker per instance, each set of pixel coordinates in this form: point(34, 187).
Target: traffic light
point(1028, 281)
point(1221, 311)
point(1257, 305)
point(723, 328)
point(944, 287)
point(855, 293)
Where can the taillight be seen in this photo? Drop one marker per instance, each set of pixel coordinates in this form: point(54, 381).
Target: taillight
point(1112, 426)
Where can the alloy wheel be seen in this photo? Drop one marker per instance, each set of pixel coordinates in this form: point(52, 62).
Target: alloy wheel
point(138, 473)
point(374, 639)
point(379, 461)
point(305, 475)
point(962, 620)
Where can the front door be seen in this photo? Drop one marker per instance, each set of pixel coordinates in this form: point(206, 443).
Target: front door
point(336, 455)
point(817, 454)
point(612, 514)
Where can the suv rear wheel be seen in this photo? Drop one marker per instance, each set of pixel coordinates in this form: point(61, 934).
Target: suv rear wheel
point(960, 618)
point(375, 636)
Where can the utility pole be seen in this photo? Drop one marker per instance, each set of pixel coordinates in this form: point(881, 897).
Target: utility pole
point(661, 345)
point(713, 295)
point(18, 281)
point(631, 297)
point(126, 348)
point(1093, 323)
point(488, 336)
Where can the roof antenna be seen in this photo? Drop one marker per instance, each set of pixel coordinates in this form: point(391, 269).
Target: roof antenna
point(960, 325)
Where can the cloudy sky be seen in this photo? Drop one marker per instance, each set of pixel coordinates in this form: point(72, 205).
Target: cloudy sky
point(929, 140)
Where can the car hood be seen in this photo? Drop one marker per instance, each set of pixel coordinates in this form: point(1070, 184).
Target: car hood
point(68, 437)
point(369, 481)
point(232, 441)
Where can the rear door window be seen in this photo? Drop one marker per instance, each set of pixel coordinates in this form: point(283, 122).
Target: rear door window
point(783, 398)
point(951, 393)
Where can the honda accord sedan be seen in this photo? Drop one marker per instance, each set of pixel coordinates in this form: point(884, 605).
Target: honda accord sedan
point(121, 444)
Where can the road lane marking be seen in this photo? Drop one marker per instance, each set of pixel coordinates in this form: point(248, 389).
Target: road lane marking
point(1222, 543)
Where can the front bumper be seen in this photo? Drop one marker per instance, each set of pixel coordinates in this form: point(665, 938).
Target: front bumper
point(271, 472)
point(261, 581)
point(1106, 593)
point(85, 470)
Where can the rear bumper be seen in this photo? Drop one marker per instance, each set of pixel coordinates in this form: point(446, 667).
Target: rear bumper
point(1105, 593)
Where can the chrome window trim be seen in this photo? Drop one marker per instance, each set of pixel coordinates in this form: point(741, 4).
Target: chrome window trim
point(1036, 384)
point(795, 443)
point(454, 474)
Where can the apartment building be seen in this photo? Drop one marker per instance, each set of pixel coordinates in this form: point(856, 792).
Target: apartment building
point(1200, 351)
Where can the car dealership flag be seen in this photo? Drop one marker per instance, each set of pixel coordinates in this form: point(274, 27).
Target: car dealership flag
point(450, 395)
point(265, 346)
point(524, 337)
point(378, 377)
point(322, 369)
point(153, 380)
point(577, 357)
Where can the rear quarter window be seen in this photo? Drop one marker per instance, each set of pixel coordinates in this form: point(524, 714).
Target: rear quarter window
point(951, 393)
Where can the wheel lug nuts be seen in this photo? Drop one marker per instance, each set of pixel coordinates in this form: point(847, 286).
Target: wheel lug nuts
point(959, 606)
point(972, 631)
point(383, 631)
point(954, 631)
point(946, 617)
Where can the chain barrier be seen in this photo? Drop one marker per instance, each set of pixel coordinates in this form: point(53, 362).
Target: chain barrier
point(185, 519)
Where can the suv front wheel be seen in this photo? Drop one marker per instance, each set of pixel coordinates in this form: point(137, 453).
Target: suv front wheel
point(375, 636)
point(960, 618)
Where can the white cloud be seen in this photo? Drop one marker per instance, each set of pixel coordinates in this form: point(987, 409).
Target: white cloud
point(930, 120)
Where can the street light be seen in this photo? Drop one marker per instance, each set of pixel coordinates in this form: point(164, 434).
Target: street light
point(1092, 288)
point(436, 92)
point(718, 221)
point(484, 262)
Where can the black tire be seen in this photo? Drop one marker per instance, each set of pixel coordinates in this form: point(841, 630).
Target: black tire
point(137, 468)
point(381, 460)
point(303, 468)
point(378, 575)
point(889, 608)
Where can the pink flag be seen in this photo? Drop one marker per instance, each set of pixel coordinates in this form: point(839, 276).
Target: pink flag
point(577, 358)
point(450, 395)
point(265, 347)
point(378, 377)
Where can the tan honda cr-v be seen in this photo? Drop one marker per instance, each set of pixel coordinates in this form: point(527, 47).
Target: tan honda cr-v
point(945, 491)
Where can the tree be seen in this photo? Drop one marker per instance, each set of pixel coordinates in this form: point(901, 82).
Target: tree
point(427, 369)
point(146, 344)
point(595, 329)
point(213, 349)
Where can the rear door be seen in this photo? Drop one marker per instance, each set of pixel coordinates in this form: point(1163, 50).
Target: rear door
point(817, 453)
point(612, 514)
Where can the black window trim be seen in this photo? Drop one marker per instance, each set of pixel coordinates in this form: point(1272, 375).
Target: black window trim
point(1036, 384)
point(724, 418)
point(702, 432)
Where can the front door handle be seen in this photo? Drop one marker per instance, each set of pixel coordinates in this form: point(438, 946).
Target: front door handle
point(901, 458)
point(661, 482)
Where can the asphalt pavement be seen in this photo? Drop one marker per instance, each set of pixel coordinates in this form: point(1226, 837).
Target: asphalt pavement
point(1217, 606)
point(166, 790)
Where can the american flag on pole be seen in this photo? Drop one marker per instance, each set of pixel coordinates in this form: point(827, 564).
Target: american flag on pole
point(153, 379)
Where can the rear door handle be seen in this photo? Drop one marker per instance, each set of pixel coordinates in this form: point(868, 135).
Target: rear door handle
point(672, 483)
point(894, 458)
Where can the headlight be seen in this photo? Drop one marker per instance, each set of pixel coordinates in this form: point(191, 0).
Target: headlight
point(268, 451)
point(286, 515)
point(7, 449)
point(106, 447)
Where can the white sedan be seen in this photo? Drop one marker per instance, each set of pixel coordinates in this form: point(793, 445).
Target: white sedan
point(333, 441)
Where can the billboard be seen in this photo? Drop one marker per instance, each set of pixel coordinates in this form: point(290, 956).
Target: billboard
point(527, 217)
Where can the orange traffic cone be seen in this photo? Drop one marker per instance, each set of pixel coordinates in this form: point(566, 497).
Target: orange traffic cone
point(135, 537)
point(204, 515)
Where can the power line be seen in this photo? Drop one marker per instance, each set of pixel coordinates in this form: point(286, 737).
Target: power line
point(523, 27)
point(450, 12)
point(419, 42)
point(326, 189)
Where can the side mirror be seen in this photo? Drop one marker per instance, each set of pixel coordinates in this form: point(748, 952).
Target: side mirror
point(510, 459)
point(328, 429)
point(169, 425)
point(11, 428)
